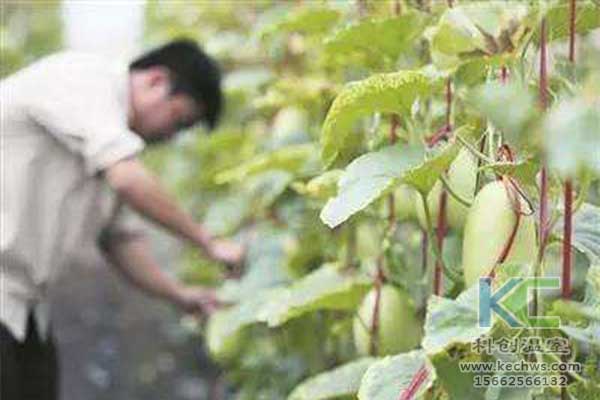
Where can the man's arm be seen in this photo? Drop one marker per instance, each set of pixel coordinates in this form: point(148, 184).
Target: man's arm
point(130, 254)
point(140, 189)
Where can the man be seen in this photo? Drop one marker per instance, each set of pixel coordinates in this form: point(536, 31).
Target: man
point(72, 127)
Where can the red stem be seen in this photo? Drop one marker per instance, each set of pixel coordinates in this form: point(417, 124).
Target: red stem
point(374, 334)
point(440, 233)
point(567, 257)
point(572, 14)
point(412, 388)
point(448, 101)
point(397, 7)
point(391, 201)
point(504, 74)
point(424, 246)
point(567, 235)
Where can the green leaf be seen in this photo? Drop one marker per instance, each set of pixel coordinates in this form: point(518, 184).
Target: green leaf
point(586, 235)
point(366, 178)
point(524, 171)
point(557, 17)
point(245, 313)
point(294, 159)
point(424, 176)
point(264, 266)
point(458, 384)
point(265, 188)
point(449, 322)
point(590, 335)
point(306, 20)
point(572, 136)
point(340, 381)
point(477, 28)
point(376, 38)
point(324, 288)
point(225, 215)
point(389, 93)
point(456, 33)
point(510, 107)
point(320, 187)
point(592, 289)
point(388, 378)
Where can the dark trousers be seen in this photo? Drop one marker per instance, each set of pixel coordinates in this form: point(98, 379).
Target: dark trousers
point(29, 369)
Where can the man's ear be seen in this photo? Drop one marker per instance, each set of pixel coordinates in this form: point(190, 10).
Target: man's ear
point(159, 76)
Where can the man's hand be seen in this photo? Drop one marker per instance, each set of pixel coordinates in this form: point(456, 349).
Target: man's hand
point(197, 299)
point(226, 251)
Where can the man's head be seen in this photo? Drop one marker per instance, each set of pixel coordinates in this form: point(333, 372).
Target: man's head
point(172, 88)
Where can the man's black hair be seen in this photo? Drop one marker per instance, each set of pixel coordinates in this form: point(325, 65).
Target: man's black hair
point(192, 72)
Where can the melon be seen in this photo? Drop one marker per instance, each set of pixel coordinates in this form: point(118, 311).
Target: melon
point(399, 328)
point(487, 230)
point(462, 177)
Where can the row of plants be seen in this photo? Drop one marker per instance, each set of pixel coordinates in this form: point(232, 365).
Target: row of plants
point(378, 158)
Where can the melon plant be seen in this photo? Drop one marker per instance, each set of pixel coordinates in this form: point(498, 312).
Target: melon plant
point(490, 224)
point(462, 177)
point(364, 112)
point(398, 328)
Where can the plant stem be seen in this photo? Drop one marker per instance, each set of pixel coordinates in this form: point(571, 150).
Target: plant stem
point(472, 149)
point(393, 138)
point(543, 217)
point(568, 189)
point(453, 193)
point(438, 277)
point(567, 257)
point(374, 333)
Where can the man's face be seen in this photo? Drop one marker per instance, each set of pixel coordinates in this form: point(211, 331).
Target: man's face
point(157, 113)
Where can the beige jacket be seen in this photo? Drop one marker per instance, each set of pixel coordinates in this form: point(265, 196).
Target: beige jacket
point(63, 120)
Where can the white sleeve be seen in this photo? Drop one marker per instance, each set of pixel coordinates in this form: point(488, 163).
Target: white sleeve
point(83, 103)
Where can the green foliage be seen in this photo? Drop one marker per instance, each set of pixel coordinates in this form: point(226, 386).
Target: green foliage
point(29, 31)
point(389, 93)
point(340, 381)
point(450, 322)
point(325, 288)
point(366, 179)
point(309, 78)
point(388, 378)
point(354, 41)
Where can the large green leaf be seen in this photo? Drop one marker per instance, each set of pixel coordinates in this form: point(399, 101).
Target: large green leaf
point(264, 266)
point(488, 26)
point(325, 288)
point(293, 159)
point(524, 170)
point(589, 335)
point(449, 322)
point(557, 17)
point(307, 20)
point(245, 313)
point(371, 175)
point(586, 234)
point(366, 178)
point(458, 384)
point(390, 93)
point(572, 135)
point(388, 378)
point(376, 38)
point(340, 381)
point(226, 214)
